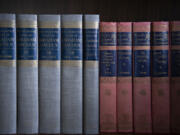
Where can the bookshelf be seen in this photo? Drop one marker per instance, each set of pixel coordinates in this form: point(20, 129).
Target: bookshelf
point(110, 10)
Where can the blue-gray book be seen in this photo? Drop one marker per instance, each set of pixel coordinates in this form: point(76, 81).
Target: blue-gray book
point(49, 73)
point(27, 74)
point(7, 74)
point(71, 90)
point(91, 74)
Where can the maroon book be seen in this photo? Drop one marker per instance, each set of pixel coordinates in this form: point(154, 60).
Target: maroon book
point(175, 76)
point(124, 77)
point(160, 77)
point(141, 77)
point(108, 115)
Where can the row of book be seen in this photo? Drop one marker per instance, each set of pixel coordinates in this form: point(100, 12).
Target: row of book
point(50, 75)
point(41, 76)
point(140, 77)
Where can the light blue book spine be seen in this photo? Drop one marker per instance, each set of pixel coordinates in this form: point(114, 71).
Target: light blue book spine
point(71, 118)
point(91, 74)
point(49, 73)
point(7, 74)
point(27, 74)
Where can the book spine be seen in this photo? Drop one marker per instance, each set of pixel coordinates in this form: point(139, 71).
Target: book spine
point(49, 73)
point(91, 74)
point(7, 74)
point(141, 78)
point(124, 77)
point(27, 74)
point(160, 78)
point(175, 76)
point(108, 119)
point(71, 74)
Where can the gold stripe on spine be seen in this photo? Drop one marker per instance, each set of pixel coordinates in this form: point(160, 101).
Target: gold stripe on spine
point(124, 79)
point(49, 63)
point(89, 64)
point(7, 23)
point(160, 47)
point(26, 24)
point(141, 79)
point(141, 47)
point(175, 47)
point(27, 63)
point(72, 25)
point(8, 63)
point(108, 79)
point(160, 79)
point(107, 47)
point(91, 25)
point(124, 47)
point(50, 24)
point(175, 79)
point(72, 63)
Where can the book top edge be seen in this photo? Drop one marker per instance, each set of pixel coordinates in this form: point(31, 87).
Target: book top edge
point(175, 26)
point(124, 23)
point(108, 23)
point(7, 17)
point(175, 22)
point(91, 17)
point(48, 18)
point(142, 27)
point(160, 26)
point(27, 17)
point(160, 22)
point(71, 17)
point(141, 23)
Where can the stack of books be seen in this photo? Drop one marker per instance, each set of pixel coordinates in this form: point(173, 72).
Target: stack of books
point(73, 74)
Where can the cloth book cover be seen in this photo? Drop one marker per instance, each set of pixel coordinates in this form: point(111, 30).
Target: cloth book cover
point(72, 79)
point(124, 77)
point(8, 74)
point(141, 77)
point(175, 76)
point(91, 74)
point(160, 77)
point(108, 115)
point(27, 74)
point(49, 73)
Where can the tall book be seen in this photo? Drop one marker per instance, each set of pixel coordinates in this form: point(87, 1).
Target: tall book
point(175, 76)
point(91, 74)
point(27, 74)
point(49, 73)
point(160, 77)
point(7, 74)
point(124, 77)
point(141, 77)
point(108, 119)
point(72, 69)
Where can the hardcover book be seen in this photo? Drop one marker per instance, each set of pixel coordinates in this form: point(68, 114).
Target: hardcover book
point(8, 74)
point(91, 74)
point(108, 118)
point(72, 69)
point(124, 77)
point(27, 74)
point(141, 77)
point(49, 73)
point(175, 76)
point(160, 78)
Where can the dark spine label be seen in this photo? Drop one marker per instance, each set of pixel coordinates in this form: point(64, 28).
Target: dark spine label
point(49, 43)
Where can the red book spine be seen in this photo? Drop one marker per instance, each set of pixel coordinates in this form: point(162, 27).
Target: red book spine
point(175, 76)
point(141, 78)
point(108, 65)
point(124, 77)
point(160, 78)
